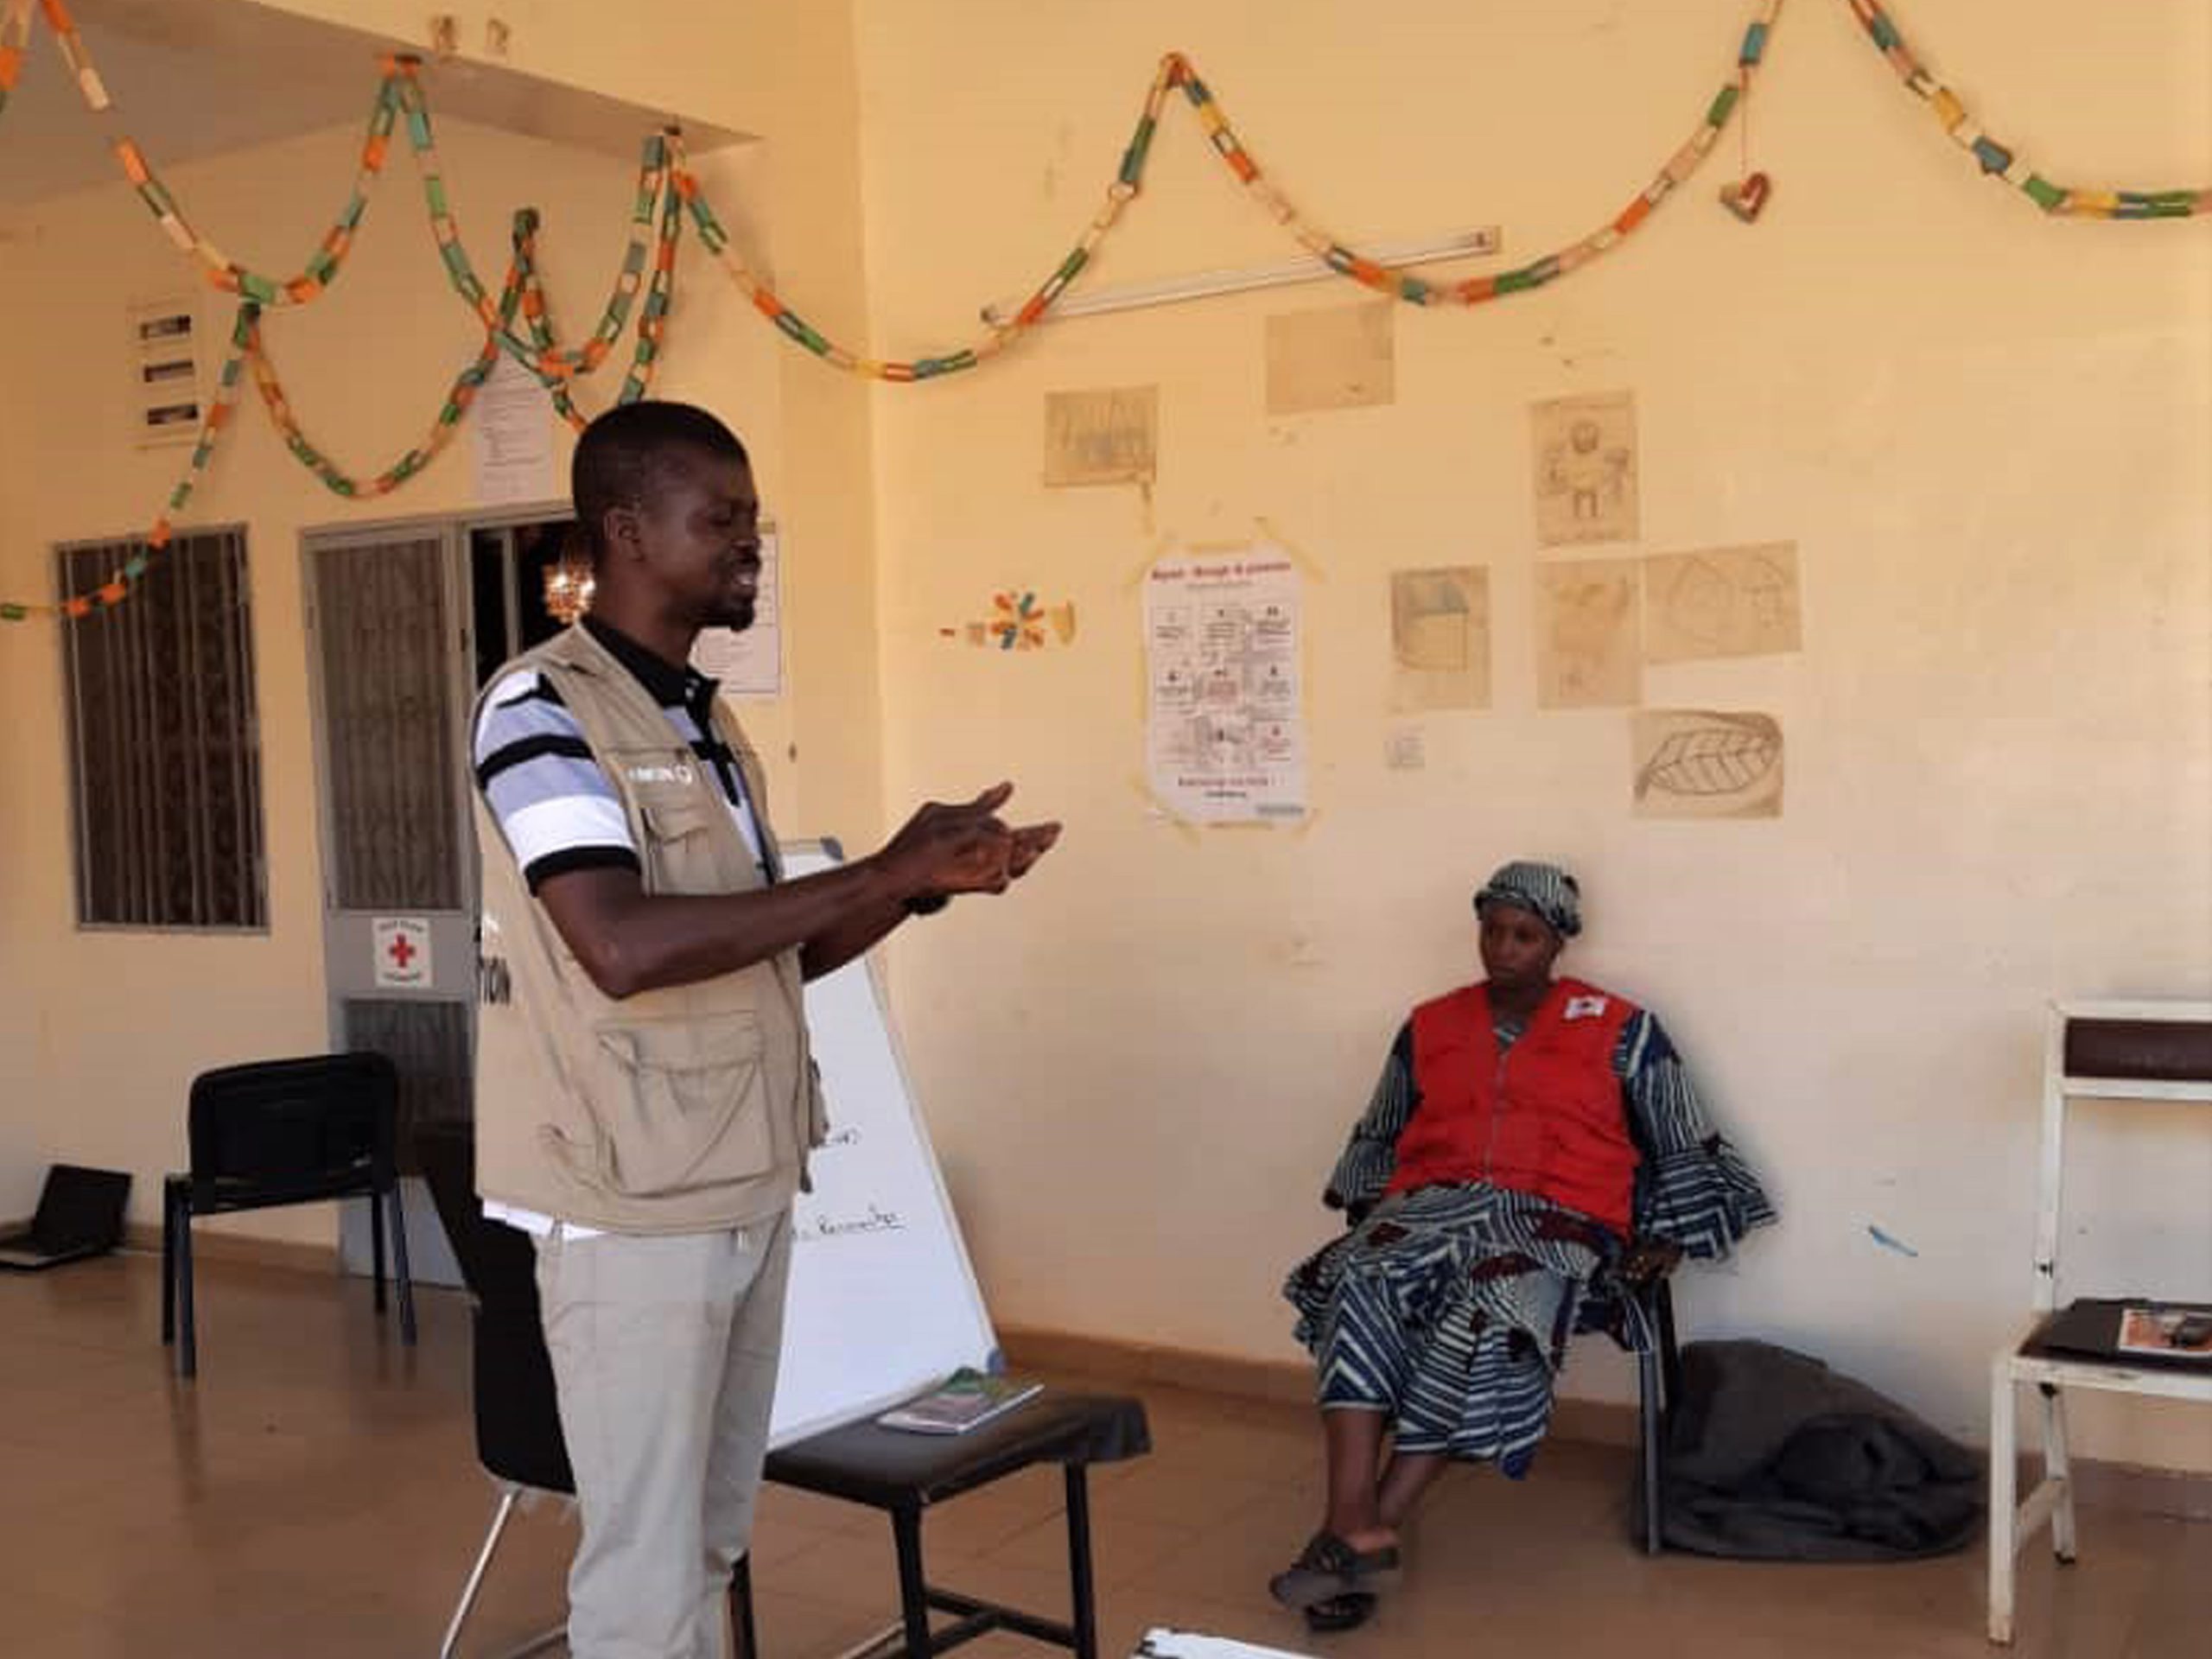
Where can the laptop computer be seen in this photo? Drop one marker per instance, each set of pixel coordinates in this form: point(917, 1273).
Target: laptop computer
point(79, 1214)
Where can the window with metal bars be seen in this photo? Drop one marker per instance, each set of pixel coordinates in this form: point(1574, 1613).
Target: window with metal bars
point(165, 745)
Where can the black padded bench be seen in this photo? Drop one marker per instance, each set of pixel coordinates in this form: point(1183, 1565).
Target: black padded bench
point(905, 1474)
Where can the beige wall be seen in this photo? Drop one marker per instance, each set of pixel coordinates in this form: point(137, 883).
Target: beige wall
point(785, 73)
point(1987, 434)
point(102, 1032)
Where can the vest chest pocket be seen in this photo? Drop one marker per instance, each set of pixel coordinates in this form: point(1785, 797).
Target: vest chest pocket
point(681, 852)
point(683, 1105)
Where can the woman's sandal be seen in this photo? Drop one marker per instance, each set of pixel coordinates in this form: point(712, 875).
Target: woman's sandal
point(1346, 1613)
point(1329, 1568)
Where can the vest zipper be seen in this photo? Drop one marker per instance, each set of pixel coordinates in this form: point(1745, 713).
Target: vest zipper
point(1496, 1111)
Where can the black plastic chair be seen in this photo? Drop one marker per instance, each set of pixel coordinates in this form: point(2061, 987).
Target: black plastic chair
point(518, 1415)
point(282, 1132)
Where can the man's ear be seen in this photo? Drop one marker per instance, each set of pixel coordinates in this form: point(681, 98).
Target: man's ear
point(618, 531)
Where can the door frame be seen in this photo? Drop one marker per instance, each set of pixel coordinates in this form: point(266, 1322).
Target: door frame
point(432, 1258)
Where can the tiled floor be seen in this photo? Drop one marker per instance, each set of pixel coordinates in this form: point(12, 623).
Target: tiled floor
point(315, 1493)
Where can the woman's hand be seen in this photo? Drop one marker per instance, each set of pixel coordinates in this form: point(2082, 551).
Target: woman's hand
point(1646, 1262)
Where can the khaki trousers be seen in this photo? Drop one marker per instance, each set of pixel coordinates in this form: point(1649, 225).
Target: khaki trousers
point(664, 1355)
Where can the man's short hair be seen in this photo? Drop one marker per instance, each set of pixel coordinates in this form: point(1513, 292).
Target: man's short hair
point(623, 455)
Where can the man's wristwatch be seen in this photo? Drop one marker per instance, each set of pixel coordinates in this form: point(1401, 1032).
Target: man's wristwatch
point(927, 904)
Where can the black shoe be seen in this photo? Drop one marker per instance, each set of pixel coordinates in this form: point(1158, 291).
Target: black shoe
point(1346, 1613)
point(1328, 1567)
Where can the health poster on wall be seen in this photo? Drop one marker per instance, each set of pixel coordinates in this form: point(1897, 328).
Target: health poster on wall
point(750, 665)
point(1225, 728)
point(510, 435)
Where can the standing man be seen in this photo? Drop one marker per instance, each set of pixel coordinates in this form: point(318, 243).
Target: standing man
point(646, 1101)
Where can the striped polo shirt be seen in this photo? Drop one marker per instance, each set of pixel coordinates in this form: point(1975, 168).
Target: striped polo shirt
point(555, 804)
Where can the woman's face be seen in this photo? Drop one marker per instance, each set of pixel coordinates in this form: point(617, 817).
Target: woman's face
point(1518, 948)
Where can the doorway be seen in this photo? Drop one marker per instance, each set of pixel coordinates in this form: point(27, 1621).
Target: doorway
point(405, 624)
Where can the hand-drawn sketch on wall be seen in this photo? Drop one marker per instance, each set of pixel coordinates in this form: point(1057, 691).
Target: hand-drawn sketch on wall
point(1341, 357)
point(1727, 602)
point(1585, 469)
point(1697, 763)
point(1586, 633)
point(1109, 436)
point(1440, 638)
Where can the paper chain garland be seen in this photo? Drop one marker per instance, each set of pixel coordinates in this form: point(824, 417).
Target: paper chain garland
point(400, 97)
point(1176, 74)
point(667, 191)
point(1999, 161)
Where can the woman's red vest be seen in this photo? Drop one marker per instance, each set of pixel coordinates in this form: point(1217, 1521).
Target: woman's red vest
point(1546, 1117)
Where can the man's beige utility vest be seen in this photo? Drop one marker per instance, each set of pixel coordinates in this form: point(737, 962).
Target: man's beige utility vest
point(686, 1109)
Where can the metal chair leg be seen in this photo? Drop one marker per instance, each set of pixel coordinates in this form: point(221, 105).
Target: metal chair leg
point(376, 1243)
point(743, 1627)
point(1649, 1415)
point(169, 1264)
point(509, 1496)
point(913, 1586)
point(399, 1267)
point(468, 1591)
point(188, 1344)
point(1081, 1589)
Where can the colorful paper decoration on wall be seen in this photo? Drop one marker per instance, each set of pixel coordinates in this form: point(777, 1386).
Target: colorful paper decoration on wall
point(1998, 160)
point(400, 105)
point(1017, 622)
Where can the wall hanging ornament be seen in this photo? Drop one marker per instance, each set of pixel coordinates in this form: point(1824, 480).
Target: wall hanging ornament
point(669, 193)
point(1998, 160)
point(1745, 194)
point(1017, 622)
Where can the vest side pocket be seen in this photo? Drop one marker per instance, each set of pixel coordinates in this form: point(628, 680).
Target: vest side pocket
point(680, 1105)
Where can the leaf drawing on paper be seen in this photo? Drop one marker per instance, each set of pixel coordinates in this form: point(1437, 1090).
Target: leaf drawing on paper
point(1729, 755)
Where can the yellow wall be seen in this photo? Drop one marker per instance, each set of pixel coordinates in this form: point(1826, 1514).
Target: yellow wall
point(104, 1031)
point(1987, 434)
point(785, 73)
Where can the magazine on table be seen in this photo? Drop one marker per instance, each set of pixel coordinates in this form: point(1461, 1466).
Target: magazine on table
point(2153, 1330)
point(968, 1399)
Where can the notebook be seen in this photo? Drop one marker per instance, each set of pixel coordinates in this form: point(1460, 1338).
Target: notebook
point(2131, 1332)
point(966, 1400)
point(79, 1214)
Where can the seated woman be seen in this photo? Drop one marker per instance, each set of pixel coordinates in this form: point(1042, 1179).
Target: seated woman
point(1525, 1131)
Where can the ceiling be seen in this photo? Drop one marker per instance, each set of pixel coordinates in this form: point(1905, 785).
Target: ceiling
point(193, 79)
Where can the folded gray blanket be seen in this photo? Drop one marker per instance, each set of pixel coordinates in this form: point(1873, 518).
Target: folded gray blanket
point(1772, 1456)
